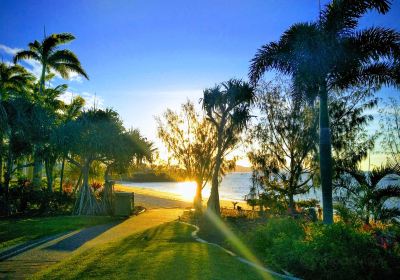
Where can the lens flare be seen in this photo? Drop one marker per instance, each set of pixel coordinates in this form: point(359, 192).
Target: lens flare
point(238, 244)
point(186, 190)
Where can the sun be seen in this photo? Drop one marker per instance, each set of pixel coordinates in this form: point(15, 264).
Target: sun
point(186, 190)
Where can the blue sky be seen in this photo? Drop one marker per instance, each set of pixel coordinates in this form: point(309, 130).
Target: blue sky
point(145, 56)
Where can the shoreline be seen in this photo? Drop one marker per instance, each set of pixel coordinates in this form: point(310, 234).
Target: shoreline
point(159, 199)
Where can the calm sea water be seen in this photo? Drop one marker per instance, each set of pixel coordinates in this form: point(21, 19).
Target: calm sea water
point(234, 186)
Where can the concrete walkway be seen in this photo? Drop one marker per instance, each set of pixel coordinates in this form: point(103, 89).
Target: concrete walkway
point(26, 264)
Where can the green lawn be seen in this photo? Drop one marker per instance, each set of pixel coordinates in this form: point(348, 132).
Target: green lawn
point(164, 252)
point(14, 231)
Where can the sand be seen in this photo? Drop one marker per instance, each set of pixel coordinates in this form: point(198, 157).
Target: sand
point(152, 199)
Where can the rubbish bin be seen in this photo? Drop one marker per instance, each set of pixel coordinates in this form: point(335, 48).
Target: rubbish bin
point(123, 203)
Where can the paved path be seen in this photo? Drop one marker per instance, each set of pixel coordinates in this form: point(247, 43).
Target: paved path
point(26, 264)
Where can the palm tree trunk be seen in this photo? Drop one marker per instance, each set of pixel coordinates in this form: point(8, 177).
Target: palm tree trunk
point(7, 179)
point(325, 156)
point(37, 171)
point(62, 174)
point(42, 77)
point(49, 166)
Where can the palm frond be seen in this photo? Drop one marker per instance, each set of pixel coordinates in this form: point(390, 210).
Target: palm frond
point(387, 192)
point(26, 55)
point(341, 16)
point(66, 68)
point(374, 43)
point(52, 41)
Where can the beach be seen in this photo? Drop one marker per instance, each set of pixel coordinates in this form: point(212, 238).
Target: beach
point(152, 199)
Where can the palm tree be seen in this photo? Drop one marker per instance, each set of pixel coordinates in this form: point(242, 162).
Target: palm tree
point(366, 194)
point(227, 107)
point(329, 55)
point(13, 79)
point(61, 61)
point(51, 57)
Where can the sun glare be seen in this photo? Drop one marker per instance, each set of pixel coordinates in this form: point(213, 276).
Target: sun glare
point(186, 190)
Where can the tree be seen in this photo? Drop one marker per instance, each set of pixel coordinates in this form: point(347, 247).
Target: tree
point(14, 80)
point(190, 139)
point(61, 61)
point(227, 107)
point(390, 125)
point(366, 194)
point(285, 135)
point(94, 136)
point(332, 54)
point(70, 112)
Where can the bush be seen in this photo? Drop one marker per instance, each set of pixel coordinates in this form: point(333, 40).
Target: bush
point(263, 237)
point(315, 251)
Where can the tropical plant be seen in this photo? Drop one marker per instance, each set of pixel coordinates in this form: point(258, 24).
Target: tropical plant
point(51, 58)
point(227, 107)
point(286, 142)
point(369, 194)
point(332, 54)
point(390, 125)
point(191, 140)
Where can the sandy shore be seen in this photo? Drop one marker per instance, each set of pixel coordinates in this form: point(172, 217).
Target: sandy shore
point(155, 199)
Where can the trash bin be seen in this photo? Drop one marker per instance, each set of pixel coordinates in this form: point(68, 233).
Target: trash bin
point(123, 203)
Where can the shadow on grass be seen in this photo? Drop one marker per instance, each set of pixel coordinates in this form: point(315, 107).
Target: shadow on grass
point(76, 240)
point(164, 252)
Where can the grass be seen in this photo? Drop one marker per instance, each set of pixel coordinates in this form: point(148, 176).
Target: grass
point(15, 231)
point(164, 252)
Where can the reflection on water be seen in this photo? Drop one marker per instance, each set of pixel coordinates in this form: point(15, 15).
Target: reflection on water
point(234, 186)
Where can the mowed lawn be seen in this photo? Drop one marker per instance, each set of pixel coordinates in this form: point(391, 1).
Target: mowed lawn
point(15, 231)
point(164, 252)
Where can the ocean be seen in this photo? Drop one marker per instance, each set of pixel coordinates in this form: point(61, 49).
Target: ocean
point(234, 186)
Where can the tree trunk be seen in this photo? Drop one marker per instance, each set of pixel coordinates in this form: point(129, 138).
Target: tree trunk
point(291, 204)
point(213, 202)
point(37, 170)
point(49, 166)
point(86, 203)
point(62, 174)
point(197, 202)
point(325, 156)
point(7, 179)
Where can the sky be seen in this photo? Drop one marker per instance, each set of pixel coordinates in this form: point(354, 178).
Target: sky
point(143, 57)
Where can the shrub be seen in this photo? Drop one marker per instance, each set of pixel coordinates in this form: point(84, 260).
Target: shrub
point(264, 236)
point(317, 251)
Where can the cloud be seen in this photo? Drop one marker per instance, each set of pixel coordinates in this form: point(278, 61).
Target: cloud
point(8, 50)
point(90, 99)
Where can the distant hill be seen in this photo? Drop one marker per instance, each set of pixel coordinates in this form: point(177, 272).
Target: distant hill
point(240, 168)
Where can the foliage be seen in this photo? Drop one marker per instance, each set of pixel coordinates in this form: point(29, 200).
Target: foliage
point(366, 195)
point(191, 141)
point(351, 140)
point(227, 107)
point(332, 54)
point(390, 125)
point(315, 251)
point(283, 160)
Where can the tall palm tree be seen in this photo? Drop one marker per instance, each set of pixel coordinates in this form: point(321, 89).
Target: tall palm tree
point(227, 107)
point(332, 54)
point(48, 54)
point(61, 61)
